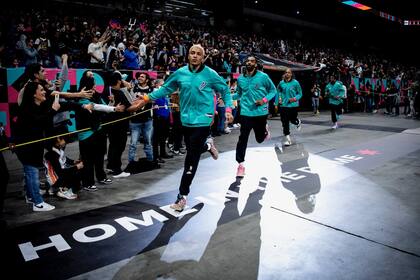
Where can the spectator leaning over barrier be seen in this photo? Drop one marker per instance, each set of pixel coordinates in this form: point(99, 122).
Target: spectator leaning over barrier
point(34, 116)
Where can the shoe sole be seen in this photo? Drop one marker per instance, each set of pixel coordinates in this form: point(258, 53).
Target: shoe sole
point(38, 210)
point(65, 197)
point(42, 209)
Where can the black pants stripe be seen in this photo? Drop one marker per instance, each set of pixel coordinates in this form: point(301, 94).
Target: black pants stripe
point(195, 140)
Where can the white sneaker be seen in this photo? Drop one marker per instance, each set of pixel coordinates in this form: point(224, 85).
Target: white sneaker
point(67, 194)
point(42, 207)
point(335, 126)
point(71, 193)
point(227, 130)
point(288, 141)
point(122, 175)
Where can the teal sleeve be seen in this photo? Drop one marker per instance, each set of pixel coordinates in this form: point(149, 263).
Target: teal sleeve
point(299, 89)
point(170, 86)
point(276, 102)
point(238, 94)
point(220, 86)
point(271, 89)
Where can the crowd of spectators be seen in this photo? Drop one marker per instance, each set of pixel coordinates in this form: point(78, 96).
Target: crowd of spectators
point(128, 41)
point(147, 43)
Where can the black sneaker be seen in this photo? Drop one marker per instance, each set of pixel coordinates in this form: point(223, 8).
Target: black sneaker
point(178, 152)
point(105, 181)
point(92, 188)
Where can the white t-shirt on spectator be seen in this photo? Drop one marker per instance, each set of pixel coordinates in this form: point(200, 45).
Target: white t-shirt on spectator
point(359, 71)
point(96, 50)
point(345, 91)
point(142, 49)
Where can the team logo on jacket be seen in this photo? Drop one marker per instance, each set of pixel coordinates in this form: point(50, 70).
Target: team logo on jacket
point(256, 86)
point(202, 85)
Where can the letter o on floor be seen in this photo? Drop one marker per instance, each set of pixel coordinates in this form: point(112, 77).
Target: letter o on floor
point(80, 234)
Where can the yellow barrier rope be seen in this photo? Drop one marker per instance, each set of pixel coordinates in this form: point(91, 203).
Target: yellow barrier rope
point(76, 131)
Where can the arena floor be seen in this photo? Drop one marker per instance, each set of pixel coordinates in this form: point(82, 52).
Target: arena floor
point(338, 204)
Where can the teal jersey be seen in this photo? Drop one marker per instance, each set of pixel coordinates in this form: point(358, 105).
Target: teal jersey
point(289, 90)
point(196, 94)
point(334, 91)
point(251, 89)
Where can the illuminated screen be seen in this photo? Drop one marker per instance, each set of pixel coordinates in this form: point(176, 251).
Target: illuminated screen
point(357, 5)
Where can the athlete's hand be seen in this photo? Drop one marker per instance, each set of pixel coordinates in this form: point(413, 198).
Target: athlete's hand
point(140, 102)
point(259, 102)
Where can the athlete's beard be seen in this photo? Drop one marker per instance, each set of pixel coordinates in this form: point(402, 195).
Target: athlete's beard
point(250, 68)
